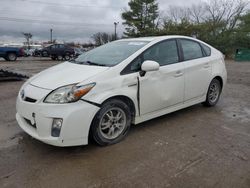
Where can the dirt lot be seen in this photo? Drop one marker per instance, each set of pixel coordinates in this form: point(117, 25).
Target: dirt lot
point(194, 147)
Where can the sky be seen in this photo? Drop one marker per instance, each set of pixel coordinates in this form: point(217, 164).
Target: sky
point(71, 20)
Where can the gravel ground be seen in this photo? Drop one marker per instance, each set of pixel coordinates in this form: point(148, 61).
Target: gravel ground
point(194, 147)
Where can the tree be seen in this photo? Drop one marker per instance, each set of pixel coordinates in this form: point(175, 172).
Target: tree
point(244, 25)
point(224, 13)
point(28, 36)
point(196, 12)
point(178, 14)
point(242, 37)
point(102, 38)
point(217, 22)
point(141, 19)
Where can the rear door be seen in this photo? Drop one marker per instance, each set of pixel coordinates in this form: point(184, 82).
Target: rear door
point(198, 68)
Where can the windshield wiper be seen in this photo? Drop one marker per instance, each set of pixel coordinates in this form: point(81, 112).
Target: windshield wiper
point(93, 63)
point(88, 63)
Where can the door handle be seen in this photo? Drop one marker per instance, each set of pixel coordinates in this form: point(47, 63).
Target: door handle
point(178, 74)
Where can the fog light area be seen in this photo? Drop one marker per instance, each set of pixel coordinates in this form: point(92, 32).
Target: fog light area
point(56, 127)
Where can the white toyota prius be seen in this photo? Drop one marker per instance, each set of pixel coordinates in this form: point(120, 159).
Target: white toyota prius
point(102, 92)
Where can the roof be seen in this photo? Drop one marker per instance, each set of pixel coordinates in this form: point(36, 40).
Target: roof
point(150, 39)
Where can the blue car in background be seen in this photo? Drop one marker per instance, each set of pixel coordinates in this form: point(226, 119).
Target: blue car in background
point(11, 53)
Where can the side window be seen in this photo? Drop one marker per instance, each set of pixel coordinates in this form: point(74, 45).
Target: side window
point(191, 49)
point(206, 49)
point(164, 53)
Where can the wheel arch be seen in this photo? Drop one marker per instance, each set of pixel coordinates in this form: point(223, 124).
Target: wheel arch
point(123, 98)
point(126, 100)
point(219, 78)
point(14, 52)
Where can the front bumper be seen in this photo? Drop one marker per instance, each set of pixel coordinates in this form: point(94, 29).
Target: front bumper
point(36, 120)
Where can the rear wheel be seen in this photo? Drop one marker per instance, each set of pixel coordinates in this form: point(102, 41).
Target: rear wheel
point(67, 57)
point(11, 56)
point(111, 124)
point(213, 94)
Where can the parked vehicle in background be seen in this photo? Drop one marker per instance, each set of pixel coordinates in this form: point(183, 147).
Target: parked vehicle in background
point(37, 52)
point(30, 50)
point(58, 52)
point(103, 91)
point(11, 53)
point(78, 51)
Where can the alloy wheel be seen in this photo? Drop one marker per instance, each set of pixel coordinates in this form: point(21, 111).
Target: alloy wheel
point(112, 123)
point(214, 92)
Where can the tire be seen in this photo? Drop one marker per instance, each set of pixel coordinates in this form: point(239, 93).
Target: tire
point(11, 56)
point(67, 57)
point(60, 58)
point(213, 93)
point(45, 54)
point(111, 124)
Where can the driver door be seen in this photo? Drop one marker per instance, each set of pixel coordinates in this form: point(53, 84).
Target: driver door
point(163, 88)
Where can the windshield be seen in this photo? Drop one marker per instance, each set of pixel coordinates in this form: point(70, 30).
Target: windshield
point(110, 54)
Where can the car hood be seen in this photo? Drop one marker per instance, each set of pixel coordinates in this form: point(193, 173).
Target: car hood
point(65, 74)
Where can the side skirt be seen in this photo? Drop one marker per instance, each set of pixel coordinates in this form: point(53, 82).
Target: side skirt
point(155, 114)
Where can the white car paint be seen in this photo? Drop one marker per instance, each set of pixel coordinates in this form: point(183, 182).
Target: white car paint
point(65, 74)
point(168, 89)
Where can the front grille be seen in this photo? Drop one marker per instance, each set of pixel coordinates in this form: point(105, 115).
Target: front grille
point(28, 99)
point(29, 123)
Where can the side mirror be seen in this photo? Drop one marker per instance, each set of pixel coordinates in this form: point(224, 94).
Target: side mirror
point(148, 66)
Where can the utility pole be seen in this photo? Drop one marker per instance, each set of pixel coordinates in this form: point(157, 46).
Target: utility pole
point(51, 30)
point(116, 23)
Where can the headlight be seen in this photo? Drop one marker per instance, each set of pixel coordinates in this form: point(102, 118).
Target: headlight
point(68, 94)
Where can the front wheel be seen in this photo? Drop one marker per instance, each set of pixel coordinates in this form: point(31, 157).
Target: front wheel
point(60, 58)
point(45, 54)
point(213, 94)
point(111, 124)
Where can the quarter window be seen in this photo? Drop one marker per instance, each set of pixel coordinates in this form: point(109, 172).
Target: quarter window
point(191, 49)
point(206, 49)
point(136, 65)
